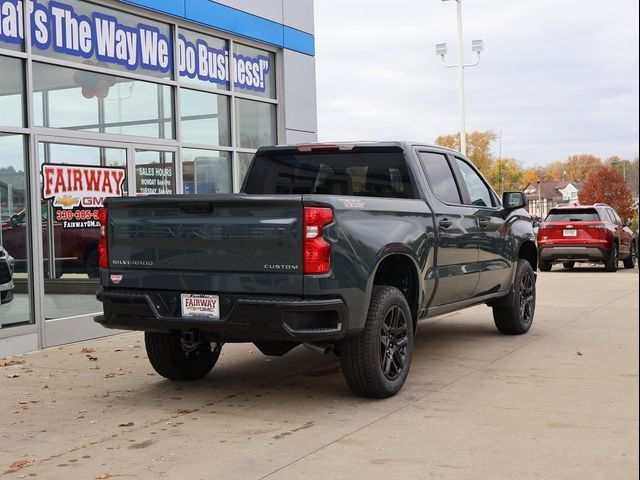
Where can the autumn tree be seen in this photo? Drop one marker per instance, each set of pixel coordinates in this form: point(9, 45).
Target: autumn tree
point(606, 185)
point(505, 175)
point(553, 172)
point(478, 147)
point(530, 175)
point(578, 167)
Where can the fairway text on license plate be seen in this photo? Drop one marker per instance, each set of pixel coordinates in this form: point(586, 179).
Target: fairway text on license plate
point(196, 305)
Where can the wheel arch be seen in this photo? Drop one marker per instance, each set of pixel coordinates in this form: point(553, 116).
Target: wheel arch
point(529, 252)
point(400, 270)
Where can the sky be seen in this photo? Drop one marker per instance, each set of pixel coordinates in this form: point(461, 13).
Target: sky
point(555, 78)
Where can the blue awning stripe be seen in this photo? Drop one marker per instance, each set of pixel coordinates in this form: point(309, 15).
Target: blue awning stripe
point(222, 17)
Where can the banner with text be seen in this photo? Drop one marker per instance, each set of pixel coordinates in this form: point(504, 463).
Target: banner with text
point(104, 38)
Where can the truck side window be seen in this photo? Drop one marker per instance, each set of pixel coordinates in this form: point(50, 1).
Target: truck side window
point(440, 177)
point(478, 191)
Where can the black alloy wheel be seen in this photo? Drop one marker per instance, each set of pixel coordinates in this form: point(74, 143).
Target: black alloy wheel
point(394, 338)
point(516, 317)
point(527, 297)
point(376, 362)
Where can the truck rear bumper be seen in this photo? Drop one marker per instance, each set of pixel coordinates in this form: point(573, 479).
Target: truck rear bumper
point(243, 318)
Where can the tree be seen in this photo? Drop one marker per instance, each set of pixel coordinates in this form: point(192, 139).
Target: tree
point(578, 167)
point(505, 175)
point(606, 185)
point(628, 169)
point(529, 176)
point(478, 147)
point(553, 172)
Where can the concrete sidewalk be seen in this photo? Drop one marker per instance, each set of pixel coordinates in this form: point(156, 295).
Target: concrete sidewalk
point(560, 402)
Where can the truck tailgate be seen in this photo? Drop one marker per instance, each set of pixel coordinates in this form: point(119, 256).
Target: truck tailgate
point(217, 243)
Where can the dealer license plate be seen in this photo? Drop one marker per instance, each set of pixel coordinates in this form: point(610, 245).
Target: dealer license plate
point(570, 233)
point(196, 305)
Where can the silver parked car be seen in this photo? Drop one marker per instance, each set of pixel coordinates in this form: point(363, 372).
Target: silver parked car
point(7, 264)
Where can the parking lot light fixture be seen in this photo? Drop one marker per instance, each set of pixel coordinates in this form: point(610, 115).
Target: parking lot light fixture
point(477, 46)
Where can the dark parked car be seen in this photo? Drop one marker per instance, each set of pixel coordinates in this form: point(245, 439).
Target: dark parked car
point(75, 249)
point(592, 233)
point(342, 247)
point(7, 265)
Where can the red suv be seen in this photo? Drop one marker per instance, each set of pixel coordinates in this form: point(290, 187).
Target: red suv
point(593, 233)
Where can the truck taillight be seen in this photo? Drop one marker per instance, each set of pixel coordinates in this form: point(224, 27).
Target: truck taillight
point(317, 252)
point(103, 252)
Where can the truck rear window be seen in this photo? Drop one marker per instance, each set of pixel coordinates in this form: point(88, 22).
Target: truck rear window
point(573, 215)
point(370, 174)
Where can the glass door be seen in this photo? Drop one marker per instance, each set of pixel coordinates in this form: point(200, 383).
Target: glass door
point(75, 179)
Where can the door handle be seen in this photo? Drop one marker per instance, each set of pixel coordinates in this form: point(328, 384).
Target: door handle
point(445, 223)
point(484, 222)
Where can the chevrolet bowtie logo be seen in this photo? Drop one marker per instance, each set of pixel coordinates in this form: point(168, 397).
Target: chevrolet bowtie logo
point(67, 201)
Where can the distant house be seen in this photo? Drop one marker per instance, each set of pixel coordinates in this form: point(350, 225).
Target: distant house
point(543, 196)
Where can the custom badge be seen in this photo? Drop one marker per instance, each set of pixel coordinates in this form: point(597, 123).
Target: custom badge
point(116, 279)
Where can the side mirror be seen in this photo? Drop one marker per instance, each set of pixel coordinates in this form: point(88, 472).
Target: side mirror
point(13, 220)
point(514, 200)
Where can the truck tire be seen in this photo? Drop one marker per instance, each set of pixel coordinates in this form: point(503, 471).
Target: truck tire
point(568, 265)
point(611, 263)
point(172, 358)
point(517, 318)
point(630, 262)
point(376, 362)
point(544, 266)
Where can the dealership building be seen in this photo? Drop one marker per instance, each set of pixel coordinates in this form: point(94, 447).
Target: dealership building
point(137, 97)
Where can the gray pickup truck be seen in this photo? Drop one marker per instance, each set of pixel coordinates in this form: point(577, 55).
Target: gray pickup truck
point(341, 247)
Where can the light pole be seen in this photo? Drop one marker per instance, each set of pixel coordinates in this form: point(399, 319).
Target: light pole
point(477, 46)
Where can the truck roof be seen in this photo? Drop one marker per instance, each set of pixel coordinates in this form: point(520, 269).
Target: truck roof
point(358, 143)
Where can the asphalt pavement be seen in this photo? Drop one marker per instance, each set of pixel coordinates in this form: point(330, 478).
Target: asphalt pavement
point(558, 403)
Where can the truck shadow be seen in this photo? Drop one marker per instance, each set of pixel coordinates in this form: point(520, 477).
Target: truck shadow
point(251, 379)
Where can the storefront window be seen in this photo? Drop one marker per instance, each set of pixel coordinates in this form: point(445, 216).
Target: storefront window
point(254, 71)
point(11, 92)
point(87, 33)
point(14, 255)
point(155, 172)
point(244, 161)
point(206, 171)
point(256, 123)
point(83, 100)
point(204, 117)
point(11, 25)
point(203, 60)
